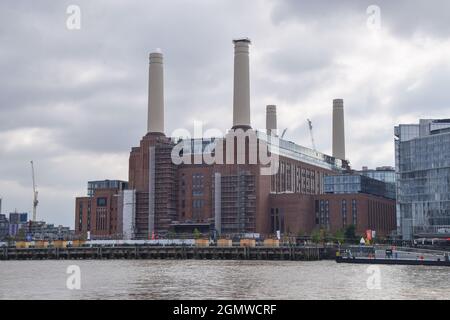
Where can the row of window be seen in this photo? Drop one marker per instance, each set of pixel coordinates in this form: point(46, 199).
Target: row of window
point(344, 212)
point(323, 212)
point(197, 191)
point(296, 179)
point(101, 223)
point(197, 184)
point(80, 216)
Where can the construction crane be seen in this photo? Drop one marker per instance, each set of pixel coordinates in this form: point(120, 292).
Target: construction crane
point(35, 192)
point(311, 134)
point(284, 132)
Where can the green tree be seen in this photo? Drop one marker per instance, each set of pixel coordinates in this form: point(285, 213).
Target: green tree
point(315, 236)
point(319, 236)
point(171, 235)
point(340, 236)
point(196, 234)
point(325, 235)
point(350, 233)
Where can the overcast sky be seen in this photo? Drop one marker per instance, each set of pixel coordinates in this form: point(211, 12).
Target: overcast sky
point(75, 101)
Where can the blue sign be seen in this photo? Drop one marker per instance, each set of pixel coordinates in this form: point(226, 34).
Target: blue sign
point(29, 237)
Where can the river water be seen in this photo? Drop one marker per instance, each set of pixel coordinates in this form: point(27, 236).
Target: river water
point(213, 279)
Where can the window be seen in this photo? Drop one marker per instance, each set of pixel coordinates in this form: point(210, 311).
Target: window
point(197, 204)
point(317, 212)
point(277, 220)
point(354, 212)
point(197, 209)
point(197, 184)
point(80, 214)
point(344, 212)
point(101, 202)
point(322, 210)
point(89, 216)
point(324, 216)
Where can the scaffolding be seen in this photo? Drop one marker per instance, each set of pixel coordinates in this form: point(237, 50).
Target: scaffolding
point(238, 203)
point(156, 208)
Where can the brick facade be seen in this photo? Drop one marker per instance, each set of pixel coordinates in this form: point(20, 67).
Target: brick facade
point(301, 214)
point(292, 200)
point(98, 214)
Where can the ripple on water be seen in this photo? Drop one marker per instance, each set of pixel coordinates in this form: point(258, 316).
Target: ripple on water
point(202, 279)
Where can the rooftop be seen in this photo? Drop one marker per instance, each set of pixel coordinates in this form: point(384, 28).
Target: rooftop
point(277, 145)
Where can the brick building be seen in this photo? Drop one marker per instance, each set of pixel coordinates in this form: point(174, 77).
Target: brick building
point(98, 212)
point(228, 196)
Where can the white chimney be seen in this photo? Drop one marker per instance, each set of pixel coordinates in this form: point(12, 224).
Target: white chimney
point(338, 129)
point(155, 122)
point(271, 119)
point(241, 93)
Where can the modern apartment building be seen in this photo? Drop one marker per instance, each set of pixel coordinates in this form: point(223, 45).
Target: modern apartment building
point(422, 153)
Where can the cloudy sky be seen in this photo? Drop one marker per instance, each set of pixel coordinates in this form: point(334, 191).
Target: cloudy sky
point(75, 101)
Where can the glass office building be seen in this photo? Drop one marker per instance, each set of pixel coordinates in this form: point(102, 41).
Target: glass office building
point(422, 156)
point(356, 183)
point(106, 184)
point(386, 174)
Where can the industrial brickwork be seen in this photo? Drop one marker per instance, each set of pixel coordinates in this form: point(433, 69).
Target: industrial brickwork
point(177, 189)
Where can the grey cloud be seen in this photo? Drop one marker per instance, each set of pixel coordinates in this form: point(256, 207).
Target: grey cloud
point(105, 115)
point(92, 122)
point(430, 97)
point(402, 17)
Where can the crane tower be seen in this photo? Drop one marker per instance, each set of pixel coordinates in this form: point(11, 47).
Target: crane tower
point(311, 134)
point(35, 192)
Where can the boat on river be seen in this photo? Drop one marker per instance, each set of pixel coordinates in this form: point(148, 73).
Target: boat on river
point(392, 256)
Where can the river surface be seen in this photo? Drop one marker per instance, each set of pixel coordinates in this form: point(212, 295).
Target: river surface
point(212, 279)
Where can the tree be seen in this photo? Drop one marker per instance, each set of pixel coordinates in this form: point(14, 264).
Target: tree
point(196, 234)
point(319, 235)
point(350, 234)
point(325, 235)
point(340, 236)
point(315, 236)
point(171, 235)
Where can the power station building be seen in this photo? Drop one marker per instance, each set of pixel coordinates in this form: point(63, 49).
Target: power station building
point(248, 182)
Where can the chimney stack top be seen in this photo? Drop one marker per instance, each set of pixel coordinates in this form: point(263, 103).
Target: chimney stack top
point(246, 40)
point(338, 102)
point(156, 57)
point(271, 108)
